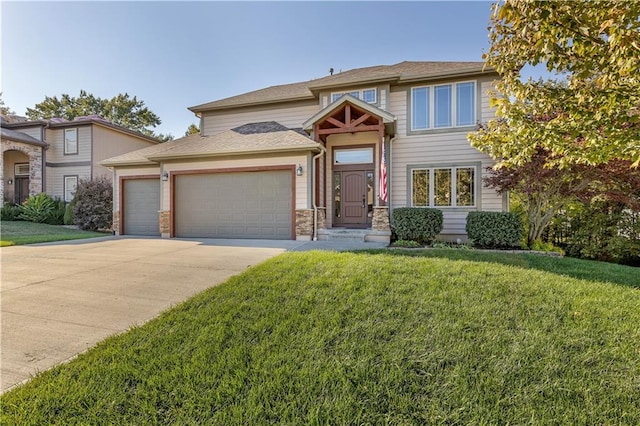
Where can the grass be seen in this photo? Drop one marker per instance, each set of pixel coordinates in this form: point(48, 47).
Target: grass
point(391, 337)
point(19, 233)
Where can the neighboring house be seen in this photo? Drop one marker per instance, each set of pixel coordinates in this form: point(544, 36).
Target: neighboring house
point(299, 161)
point(52, 155)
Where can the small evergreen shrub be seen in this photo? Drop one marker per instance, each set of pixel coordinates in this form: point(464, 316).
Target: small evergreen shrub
point(10, 212)
point(93, 204)
point(494, 229)
point(406, 244)
point(68, 213)
point(57, 217)
point(39, 208)
point(417, 224)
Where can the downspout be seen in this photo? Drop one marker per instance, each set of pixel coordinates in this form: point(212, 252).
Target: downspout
point(313, 191)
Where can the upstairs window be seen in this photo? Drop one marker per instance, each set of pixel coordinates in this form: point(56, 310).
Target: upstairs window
point(70, 141)
point(367, 95)
point(443, 106)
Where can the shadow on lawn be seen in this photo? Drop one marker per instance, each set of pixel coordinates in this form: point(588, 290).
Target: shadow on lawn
point(575, 268)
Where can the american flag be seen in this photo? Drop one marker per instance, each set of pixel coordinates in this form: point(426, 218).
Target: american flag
point(383, 176)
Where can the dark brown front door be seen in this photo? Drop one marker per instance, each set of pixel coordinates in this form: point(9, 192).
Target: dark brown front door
point(353, 198)
point(21, 189)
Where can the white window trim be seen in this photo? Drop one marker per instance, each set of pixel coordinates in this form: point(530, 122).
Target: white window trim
point(454, 104)
point(66, 151)
point(432, 196)
point(74, 177)
point(360, 94)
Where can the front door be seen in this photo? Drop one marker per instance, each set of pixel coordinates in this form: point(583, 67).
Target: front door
point(21, 189)
point(353, 198)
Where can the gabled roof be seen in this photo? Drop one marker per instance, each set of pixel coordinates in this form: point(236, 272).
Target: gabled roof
point(21, 137)
point(388, 119)
point(403, 72)
point(253, 138)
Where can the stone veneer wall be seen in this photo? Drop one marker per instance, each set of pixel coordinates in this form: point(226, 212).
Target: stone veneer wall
point(165, 223)
point(322, 218)
point(380, 220)
point(116, 223)
point(304, 223)
point(35, 165)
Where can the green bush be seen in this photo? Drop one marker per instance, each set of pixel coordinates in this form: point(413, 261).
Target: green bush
point(39, 208)
point(10, 211)
point(68, 213)
point(417, 224)
point(604, 231)
point(93, 204)
point(494, 229)
point(57, 217)
point(406, 244)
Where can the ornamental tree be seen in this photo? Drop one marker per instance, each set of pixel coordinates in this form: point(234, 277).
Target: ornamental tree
point(591, 114)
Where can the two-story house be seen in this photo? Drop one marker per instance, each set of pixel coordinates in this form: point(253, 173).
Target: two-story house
point(297, 161)
point(53, 155)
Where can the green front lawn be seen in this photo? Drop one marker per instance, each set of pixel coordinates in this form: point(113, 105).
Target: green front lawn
point(433, 337)
point(18, 233)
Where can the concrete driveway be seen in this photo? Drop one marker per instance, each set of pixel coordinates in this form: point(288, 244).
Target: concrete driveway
point(60, 299)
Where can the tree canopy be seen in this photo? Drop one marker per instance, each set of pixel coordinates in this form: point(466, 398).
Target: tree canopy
point(591, 113)
point(192, 129)
point(122, 109)
point(4, 110)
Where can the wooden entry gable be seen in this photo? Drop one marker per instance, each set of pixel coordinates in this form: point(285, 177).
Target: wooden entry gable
point(348, 119)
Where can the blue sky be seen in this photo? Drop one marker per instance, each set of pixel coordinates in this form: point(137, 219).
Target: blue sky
point(174, 55)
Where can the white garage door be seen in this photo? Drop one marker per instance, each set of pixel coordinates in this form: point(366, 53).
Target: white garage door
point(141, 205)
point(234, 205)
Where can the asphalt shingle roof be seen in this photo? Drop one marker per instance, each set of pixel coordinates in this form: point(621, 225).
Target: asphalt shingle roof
point(401, 72)
point(247, 139)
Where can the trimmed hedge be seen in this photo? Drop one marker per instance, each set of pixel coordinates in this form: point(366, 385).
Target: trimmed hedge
point(417, 224)
point(494, 229)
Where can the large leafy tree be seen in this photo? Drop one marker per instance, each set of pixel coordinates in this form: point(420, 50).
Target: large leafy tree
point(192, 129)
point(591, 114)
point(122, 109)
point(4, 110)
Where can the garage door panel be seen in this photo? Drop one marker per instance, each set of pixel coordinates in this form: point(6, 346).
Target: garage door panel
point(234, 205)
point(141, 205)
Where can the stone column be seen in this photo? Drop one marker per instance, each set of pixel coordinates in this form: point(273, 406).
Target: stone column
point(116, 223)
point(165, 223)
point(304, 224)
point(322, 218)
point(380, 220)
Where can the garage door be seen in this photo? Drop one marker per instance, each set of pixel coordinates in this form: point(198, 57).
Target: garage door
point(141, 205)
point(234, 205)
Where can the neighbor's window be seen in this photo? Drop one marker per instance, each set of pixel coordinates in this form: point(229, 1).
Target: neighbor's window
point(367, 95)
point(70, 186)
point(437, 107)
point(443, 187)
point(70, 141)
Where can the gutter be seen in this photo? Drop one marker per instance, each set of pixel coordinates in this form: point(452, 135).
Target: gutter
point(323, 150)
point(234, 152)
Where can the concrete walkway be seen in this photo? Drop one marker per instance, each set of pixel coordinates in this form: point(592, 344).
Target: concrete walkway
point(60, 299)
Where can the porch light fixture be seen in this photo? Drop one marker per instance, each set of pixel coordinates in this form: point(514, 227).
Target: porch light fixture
point(299, 170)
point(165, 176)
point(10, 181)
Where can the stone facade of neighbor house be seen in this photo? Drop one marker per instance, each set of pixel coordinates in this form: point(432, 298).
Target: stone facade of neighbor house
point(53, 155)
point(297, 160)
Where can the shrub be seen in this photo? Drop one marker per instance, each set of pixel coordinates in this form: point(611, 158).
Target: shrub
point(39, 208)
point(10, 211)
point(605, 231)
point(406, 244)
point(68, 213)
point(494, 229)
point(57, 217)
point(417, 224)
point(93, 204)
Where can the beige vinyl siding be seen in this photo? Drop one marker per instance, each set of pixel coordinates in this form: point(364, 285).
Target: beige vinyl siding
point(486, 112)
point(109, 143)
point(446, 148)
point(126, 172)
point(302, 188)
point(34, 132)
point(55, 178)
point(55, 139)
point(292, 116)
